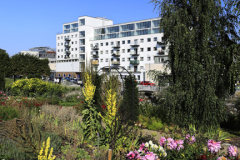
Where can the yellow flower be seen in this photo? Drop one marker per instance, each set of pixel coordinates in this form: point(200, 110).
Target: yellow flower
point(44, 157)
point(89, 90)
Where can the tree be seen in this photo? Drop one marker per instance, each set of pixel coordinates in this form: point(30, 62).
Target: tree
point(200, 59)
point(26, 64)
point(5, 67)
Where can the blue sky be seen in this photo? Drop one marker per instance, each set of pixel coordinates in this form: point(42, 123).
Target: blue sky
point(34, 23)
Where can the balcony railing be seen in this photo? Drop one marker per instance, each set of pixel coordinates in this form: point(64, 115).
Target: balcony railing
point(161, 52)
point(160, 42)
point(95, 55)
point(95, 48)
point(67, 39)
point(134, 53)
point(116, 46)
point(115, 62)
point(134, 62)
point(117, 54)
point(67, 52)
point(94, 62)
point(67, 45)
point(81, 60)
point(135, 44)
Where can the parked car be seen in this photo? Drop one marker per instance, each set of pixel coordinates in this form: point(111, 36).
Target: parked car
point(147, 83)
point(75, 81)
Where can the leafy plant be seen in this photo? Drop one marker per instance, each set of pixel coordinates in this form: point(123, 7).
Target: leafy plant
point(44, 148)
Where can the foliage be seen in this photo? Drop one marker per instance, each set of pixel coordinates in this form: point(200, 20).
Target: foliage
point(2, 82)
point(5, 67)
point(26, 64)
point(72, 153)
point(150, 123)
point(200, 60)
point(44, 148)
point(74, 98)
point(34, 87)
point(130, 104)
point(90, 119)
point(8, 113)
point(97, 101)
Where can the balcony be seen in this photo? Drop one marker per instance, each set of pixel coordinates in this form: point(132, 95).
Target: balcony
point(115, 62)
point(134, 53)
point(116, 46)
point(67, 53)
point(67, 39)
point(134, 62)
point(160, 42)
point(81, 60)
point(67, 45)
point(135, 44)
point(95, 55)
point(95, 48)
point(95, 62)
point(161, 52)
point(117, 54)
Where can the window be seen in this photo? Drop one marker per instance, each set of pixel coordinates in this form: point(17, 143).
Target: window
point(62, 37)
point(72, 49)
point(129, 41)
point(154, 48)
point(72, 42)
point(111, 43)
point(75, 49)
point(156, 23)
point(113, 29)
point(106, 51)
point(82, 34)
point(82, 49)
point(82, 42)
point(101, 60)
point(81, 22)
point(106, 59)
point(75, 35)
point(61, 44)
point(58, 56)
point(61, 50)
point(149, 58)
point(149, 39)
point(127, 27)
point(99, 31)
point(106, 43)
point(142, 25)
point(72, 36)
point(141, 49)
point(58, 38)
point(141, 67)
point(75, 55)
point(141, 40)
point(58, 44)
point(61, 56)
point(141, 59)
point(138, 77)
point(129, 67)
point(58, 50)
point(155, 39)
point(123, 59)
point(123, 42)
point(128, 50)
point(75, 42)
point(101, 52)
point(101, 44)
point(123, 50)
point(149, 49)
point(111, 51)
point(128, 59)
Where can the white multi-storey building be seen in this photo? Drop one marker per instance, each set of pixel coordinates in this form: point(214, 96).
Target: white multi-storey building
point(134, 45)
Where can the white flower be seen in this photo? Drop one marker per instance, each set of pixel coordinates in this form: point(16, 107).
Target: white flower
point(146, 144)
point(165, 154)
point(161, 149)
point(155, 147)
point(139, 151)
point(150, 142)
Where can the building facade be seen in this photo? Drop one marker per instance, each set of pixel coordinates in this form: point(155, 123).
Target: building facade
point(98, 42)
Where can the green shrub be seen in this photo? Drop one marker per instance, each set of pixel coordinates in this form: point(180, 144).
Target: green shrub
point(8, 112)
point(36, 87)
point(2, 82)
point(74, 98)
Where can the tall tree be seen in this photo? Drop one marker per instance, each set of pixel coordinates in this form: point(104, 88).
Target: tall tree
point(200, 59)
point(5, 67)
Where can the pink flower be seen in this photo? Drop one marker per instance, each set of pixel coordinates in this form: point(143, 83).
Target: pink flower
point(139, 125)
point(232, 150)
point(222, 158)
point(142, 146)
point(213, 146)
point(135, 124)
point(4, 94)
point(192, 140)
point(130, 155)
point(150, 156)
point(0, 92)
point(187, 136)
point(171, 144)
point(77, 96)
point(179, 144)
point(162, 141)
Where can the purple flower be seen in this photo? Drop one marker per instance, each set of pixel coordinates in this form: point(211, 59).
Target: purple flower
point(179, 144)
point(187, 136)
point(192, 140)
point(232, 150)
point(213, 146)
point(222, 158)
point(130, 155)
point(171, 144)
point(150, 156)
point(162, 141)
